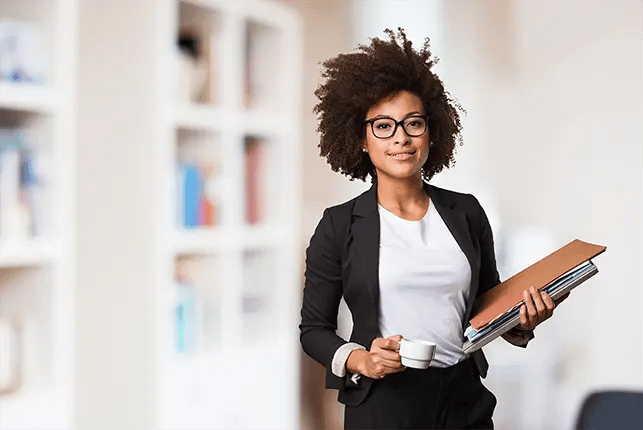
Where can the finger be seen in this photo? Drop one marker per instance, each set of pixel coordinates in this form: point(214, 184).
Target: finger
point(397, 370)
point(523, 316)
point(531, 310)
point(538, 301)
point(391, 364)
point(391, 344)
point(389, 355)
point(378, 343)
point(549, 303)
point(397, 339)
point(379, 368)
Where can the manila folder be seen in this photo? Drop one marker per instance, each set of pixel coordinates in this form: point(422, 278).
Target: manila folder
point(508, 294)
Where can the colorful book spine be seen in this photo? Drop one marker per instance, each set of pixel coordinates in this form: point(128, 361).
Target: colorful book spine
point(253, 159)
point(185, 314)
point(197, 208)
point(192, 189)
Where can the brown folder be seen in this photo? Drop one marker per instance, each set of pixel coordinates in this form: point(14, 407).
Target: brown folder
point(508, 294)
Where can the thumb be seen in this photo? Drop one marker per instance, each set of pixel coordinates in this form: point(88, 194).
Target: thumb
point(397, 337)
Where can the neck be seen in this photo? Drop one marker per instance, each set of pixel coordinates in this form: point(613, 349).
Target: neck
point(402, 195)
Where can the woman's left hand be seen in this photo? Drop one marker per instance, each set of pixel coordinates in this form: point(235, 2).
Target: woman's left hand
point(538, 307)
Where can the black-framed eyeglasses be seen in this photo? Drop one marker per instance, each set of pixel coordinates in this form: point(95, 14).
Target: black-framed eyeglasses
point(385, 127)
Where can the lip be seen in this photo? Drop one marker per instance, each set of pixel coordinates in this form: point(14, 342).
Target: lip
point(402, 155)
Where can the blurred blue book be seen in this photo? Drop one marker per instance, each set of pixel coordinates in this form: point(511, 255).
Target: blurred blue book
point(191, 190)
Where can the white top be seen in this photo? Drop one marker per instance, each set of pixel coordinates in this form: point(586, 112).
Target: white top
point(424, 282)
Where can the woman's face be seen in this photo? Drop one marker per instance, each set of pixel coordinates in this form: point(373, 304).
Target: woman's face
point(400, 156)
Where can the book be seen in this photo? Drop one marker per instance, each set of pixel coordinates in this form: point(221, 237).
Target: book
point(498, 310)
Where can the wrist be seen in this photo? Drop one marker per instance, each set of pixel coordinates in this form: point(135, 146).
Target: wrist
point(356, 362)
point(521, 335)
point(520, 332)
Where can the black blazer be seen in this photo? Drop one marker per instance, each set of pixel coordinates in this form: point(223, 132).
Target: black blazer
point(343, 258)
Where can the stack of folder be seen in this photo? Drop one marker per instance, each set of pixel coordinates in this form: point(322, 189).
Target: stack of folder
point(498, 310)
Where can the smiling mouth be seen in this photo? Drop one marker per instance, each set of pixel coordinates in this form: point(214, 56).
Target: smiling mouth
point(402, 154)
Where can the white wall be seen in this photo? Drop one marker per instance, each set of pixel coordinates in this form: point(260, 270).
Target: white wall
point(563, 128)
point(328, 32)
point(553, 144)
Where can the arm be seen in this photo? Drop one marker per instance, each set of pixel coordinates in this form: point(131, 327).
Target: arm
point(538, 305)
point(382, 359)
point(322, 294)
point(489, 276)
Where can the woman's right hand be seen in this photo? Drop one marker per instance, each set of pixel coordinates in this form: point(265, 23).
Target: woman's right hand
point(382, 359)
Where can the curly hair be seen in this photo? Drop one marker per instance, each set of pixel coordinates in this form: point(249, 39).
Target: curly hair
point(354, 82)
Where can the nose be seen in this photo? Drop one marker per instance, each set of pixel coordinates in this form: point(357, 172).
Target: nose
point(400, 136)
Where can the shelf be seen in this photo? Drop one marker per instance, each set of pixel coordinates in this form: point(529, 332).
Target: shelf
point(266, 123)
point(34, 252)
point(194, 116)
point(37, 260)
point(24, 97)
point(18, 410)
point(201, 241)
point(215, 240)
point(255, 121)
point(262, 236)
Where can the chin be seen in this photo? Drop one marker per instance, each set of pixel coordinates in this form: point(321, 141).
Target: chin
point(402, 174)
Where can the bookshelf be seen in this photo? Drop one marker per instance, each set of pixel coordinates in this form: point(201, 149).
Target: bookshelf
point(37, 119)
point(241, 132)
point(191, 187)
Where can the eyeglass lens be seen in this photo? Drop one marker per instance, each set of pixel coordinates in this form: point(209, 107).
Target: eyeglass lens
point(384, 128)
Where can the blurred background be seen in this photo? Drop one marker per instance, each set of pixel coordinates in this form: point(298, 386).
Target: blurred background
point(160, 180)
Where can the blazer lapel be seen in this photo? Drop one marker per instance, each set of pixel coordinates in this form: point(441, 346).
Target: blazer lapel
point(456, 221)
point(365, 232)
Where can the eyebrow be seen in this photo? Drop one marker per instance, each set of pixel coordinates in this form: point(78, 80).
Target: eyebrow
point(414, 113)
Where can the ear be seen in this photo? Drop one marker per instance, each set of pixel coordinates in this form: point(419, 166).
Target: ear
point(364, 147)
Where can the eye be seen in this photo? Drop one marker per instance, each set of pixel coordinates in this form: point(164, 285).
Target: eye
point(415, 123)
point(382, 125)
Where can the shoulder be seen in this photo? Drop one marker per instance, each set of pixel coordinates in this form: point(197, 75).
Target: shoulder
point(361, 204)
point(454, 198)
point(337, 217)
point(333, 225)
point(342, 210)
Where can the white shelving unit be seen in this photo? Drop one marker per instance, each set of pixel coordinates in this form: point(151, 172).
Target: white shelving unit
point(243, 372)
point(134, 131)
point(36, 272)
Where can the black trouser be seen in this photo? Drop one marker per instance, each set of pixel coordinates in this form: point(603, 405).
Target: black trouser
point(434, 398)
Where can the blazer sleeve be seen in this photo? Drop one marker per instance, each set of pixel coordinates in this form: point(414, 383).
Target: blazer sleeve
point(489, 276)
point(322, 294)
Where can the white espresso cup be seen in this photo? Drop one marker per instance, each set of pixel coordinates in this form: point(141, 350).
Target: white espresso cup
point(416, 353)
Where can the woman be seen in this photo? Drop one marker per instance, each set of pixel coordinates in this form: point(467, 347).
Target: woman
point(408, 258)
